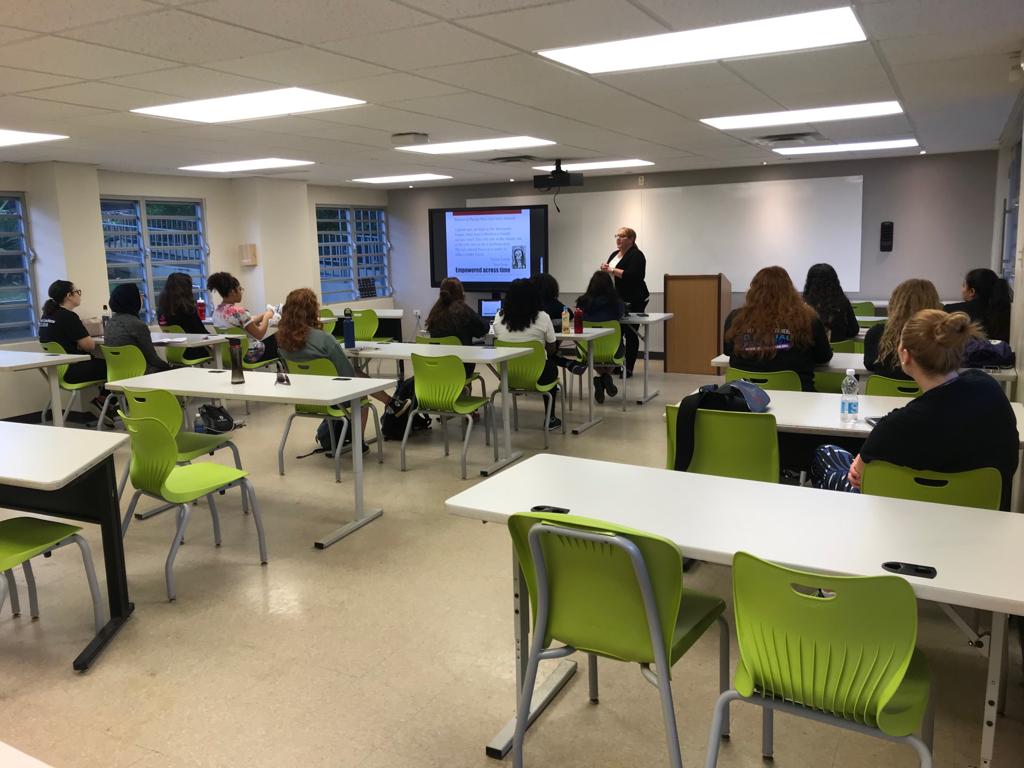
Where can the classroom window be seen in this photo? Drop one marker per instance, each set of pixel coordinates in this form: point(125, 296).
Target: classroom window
point(354, 252)
point(17, 303)
point(147, 240)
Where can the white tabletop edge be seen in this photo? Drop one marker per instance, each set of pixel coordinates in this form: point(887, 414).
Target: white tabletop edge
point(48, 458)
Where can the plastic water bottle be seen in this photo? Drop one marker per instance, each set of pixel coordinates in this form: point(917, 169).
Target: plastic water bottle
point(566, 328)
point(198, 426)
point(849, 405)
point(577, 321)
point(105, 318)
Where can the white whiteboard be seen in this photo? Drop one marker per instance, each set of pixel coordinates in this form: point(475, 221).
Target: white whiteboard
point(735, 229)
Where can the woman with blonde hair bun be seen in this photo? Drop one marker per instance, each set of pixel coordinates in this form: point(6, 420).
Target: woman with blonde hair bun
point(961, 420)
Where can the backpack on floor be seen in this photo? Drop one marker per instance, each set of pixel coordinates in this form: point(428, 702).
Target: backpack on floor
point(393, 427)
point(738, 395)
point(216, 419)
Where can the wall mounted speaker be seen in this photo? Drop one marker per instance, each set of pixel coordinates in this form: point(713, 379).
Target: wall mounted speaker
point(885, 240)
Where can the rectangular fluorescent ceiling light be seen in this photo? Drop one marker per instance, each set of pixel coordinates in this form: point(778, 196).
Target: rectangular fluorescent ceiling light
point(862, 146)
point(596, 165)
point(801, 116)
point(407, 177)
point(477, 145)
point(799, 31)
point(235, 166)
point(251, 106)
point(13, 138)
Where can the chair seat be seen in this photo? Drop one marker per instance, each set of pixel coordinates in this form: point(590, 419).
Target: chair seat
point(193, 481)
point(697, 612)
point(195, 360)
point(191, 445)
point(338, 411)
point(261, 364)
point(468, 404)
point(22, 538)
point(69, 387)
point(382, 339)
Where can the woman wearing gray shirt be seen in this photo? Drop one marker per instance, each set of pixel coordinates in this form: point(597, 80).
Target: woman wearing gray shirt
point(126, 329)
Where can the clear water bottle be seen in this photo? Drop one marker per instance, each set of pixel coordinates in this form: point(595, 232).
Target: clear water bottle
point(566, 327)
point(198, 426)
point(849, 405)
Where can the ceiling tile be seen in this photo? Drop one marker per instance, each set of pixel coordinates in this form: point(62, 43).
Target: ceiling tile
point(305, 127)
point(398, 121)
point(454, 9)
point(102, 95)
point(193, 82)
point(313, 21)
point(571, 23)
point(682, 16)
point(298, 65)
point(178, 36)
point(56, 15)
point(76, 59)
point(908, 18)
point(382, 89)
point(955, 45)
point(17, 80)
point(418, 47)
point(20, 112)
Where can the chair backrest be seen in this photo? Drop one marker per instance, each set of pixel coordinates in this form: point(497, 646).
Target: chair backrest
point(829, 381)
point(606, 348)
point(883, 385)
point(595, 586)
point(438, 381)
point(848, 345)
point(328, 320)
point(225, 349)
point(974, 488)
point(175, 355)
point(783, 381)
point(156, 404)
point(54, 348)
point(366, 322)
point(154, 453)
point(729, 444)
point(862, 308)
point(124, 362)
point(523, 372)
point(318, 366)
point(844, 652)
point(452, 341)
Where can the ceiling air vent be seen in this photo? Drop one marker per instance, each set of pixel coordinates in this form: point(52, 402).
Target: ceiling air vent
point(794, 139)
point(510, 159)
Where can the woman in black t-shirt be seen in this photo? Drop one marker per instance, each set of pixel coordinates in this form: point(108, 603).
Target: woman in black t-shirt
point(961, 421)
point(60, 323)
point(986, 298)
point(177, 306)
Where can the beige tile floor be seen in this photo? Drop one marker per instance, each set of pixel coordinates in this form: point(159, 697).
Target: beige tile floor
point(392, 648)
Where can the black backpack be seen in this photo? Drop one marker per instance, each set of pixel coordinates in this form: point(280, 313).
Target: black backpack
point(739, 395)
point(216, 419)
point(393, 427)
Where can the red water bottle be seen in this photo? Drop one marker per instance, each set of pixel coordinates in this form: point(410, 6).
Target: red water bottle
point(201, 309)
point(577, 321)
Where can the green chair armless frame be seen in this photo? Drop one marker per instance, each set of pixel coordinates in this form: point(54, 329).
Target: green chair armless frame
point(225, 359)
point(883, 385)
point(328, 320)
point(606, 352)
point(614, 592)
point(125, 362)
point(783, 381)
point(455, 341)
point(729, 444)
point(176, 355)
point(863, 308)
point(829, 381)
point(848, 345)
point(523, 373)
point(54, 348)
point(366, 323)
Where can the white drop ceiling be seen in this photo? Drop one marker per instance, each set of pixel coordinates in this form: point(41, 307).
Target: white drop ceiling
point(465, 69)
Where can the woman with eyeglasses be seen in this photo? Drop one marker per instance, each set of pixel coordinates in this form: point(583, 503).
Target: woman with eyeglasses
point(60, 323)
point(628, 267)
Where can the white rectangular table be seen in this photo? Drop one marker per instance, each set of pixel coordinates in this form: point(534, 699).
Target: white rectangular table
point(646, 319)
point(587, 338)
point(262, 386)
point(974, 551)
point(13, 758)
point(183, 340)
point(46, 363)
point(69, 473)
point(375, 350)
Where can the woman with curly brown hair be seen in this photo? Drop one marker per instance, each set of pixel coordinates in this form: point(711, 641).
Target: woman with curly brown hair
point(776, 330)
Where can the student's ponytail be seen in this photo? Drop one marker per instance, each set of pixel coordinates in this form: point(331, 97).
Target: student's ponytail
point(936, 339)
point(58, 291)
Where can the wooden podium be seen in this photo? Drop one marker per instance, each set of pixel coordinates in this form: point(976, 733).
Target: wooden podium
point(693, 336)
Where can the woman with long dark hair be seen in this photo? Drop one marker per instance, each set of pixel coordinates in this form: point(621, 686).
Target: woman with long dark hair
point(824, 294)
point(547, 288)
point(775, 330)
point(230, 313)
point(60, 323)
point(452, 316)
point(600, 303)
point(986, 300)
point(177, 306)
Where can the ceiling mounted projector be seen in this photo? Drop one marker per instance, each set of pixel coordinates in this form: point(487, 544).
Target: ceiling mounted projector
point(409, 139)
point(557, 178)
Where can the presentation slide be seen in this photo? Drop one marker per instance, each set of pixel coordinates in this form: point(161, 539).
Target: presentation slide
point(488, 245)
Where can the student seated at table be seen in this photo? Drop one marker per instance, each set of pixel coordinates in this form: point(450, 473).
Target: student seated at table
point(60, 323)
point(231, 314)
point(522, 319)
point(547, 287)
point(452, 316)
point(177, 306)
point(961, 421)
point(776, 330)
point(125, 328)
point(301, 337)
point(987, 300)
point(823, 292)
point(881, 342)
point(600, 303)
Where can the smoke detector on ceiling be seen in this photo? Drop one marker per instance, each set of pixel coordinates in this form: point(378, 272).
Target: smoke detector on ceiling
point(409, 139)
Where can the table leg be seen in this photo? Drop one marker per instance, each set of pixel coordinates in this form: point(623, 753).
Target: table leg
point(591, 421)
point(501, 744)
point(648, 396)
point(57, 406)
point(992, 686)
point(362, 516)
point(506, 418)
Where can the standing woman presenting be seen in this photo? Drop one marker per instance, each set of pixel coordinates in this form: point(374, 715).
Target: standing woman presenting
point(628, 268)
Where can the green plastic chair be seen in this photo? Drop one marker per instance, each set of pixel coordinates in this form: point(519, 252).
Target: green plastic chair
point(440, 384)
point(455, 341)
point(848, 345)
point(225, 359)
point(328, 320)
point(21, 539)
point(980, 488)
point(883, 385)
point(606, 352)
point(862, 308)
point(728, 444)
point(836, 649)
point(366, 323)
point(782, 381)
point(829, 381)
point(176, 355)
point(523, 373)
point(156, 474)
point(125, 362)
point(164, 407)
point(54, 348)
point(614, 592)
point(334, 414)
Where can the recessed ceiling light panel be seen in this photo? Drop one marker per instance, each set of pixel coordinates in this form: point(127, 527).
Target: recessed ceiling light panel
point(14, 138)
point(800, 31)
point(251, 106)
point(862, 146)
point(596, 165)
point(477, 145)
point(237, 166)
point(801, 116)
point(405, 178)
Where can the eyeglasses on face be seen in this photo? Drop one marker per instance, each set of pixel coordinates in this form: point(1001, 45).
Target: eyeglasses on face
point(620, 236)
point(77, 291)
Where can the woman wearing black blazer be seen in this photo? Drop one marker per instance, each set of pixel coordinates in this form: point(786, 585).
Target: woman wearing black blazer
point(628, 268)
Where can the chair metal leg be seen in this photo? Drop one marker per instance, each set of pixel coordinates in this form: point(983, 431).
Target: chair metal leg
point(525, 699)
point(625, 385)
point(215, 517)
point(549, 406)
point(716, 734)
point(98, 614)
point(767, 733)
point(128, 515)
point(256, 518)
point(3, 591)
point(123, 482)
point(338, 447)
point(179, 535)
point(33, 595)
point(238, 465)
point(444, 431)
point(280, 447)
point(494, 428)
point(380, 435)
point(12, 587)
point(405, 438)
point(71, 404)
point(103, 410)
point(723, 666)
point(515, 412)
point(592, 676)
point(668, 714)
point(42, 415)
point(465, 443)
